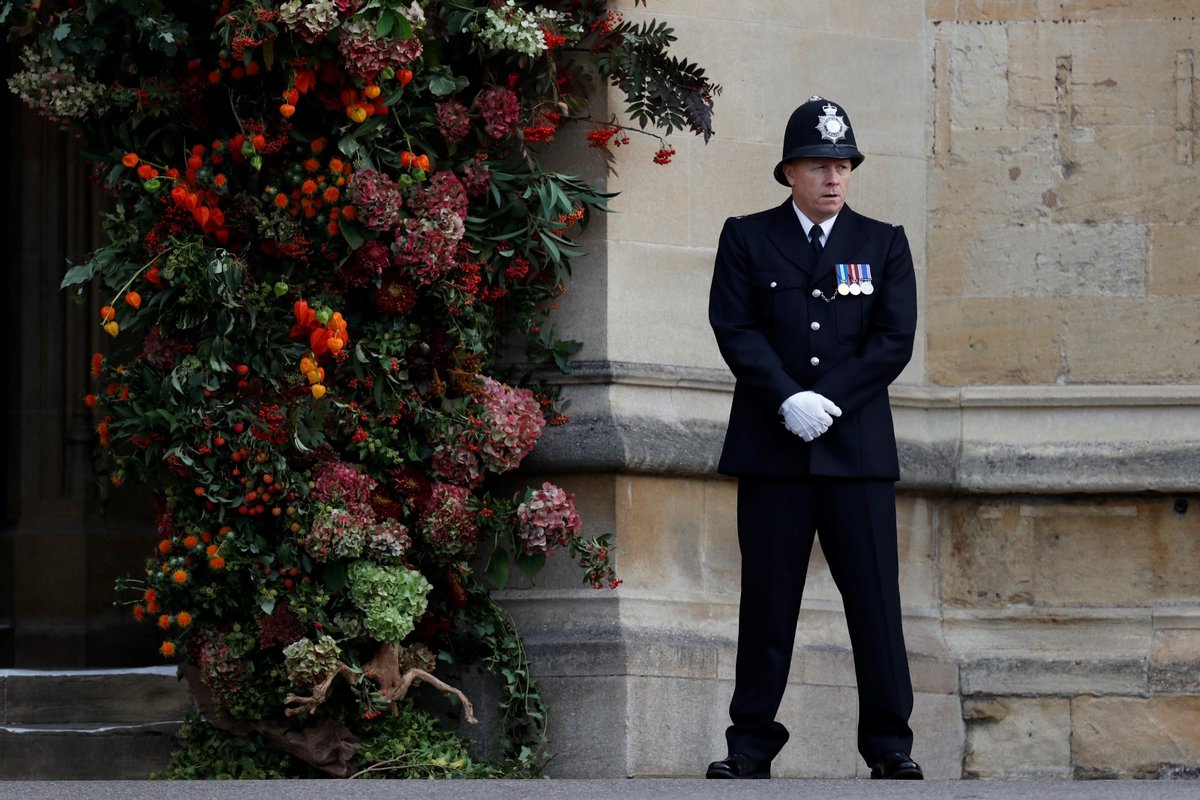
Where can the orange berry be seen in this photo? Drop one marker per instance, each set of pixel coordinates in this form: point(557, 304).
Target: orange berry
point(108, 313)
point(198, 491)
point(318, 391)
point(287, 109)
point(130, 160)
point(422, 162)
point(405, 76)
point(112, 328)
point(133, 299)
point(372, 91)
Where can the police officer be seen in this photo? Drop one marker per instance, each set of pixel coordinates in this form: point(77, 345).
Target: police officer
point(814, 310)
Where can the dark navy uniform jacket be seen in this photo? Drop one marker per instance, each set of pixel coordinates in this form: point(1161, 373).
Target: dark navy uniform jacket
point(783, 328)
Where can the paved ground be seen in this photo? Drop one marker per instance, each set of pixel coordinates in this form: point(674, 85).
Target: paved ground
point(647, 789)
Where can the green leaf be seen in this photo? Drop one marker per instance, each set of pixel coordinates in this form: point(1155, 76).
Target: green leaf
point(61, 32)
point(530, 565)
point(335, 576)
point(497, 568)
point(354, 233)
point(440, 85)
point(79, 274)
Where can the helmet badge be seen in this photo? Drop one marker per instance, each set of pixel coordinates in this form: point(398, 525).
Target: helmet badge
point(831, 126)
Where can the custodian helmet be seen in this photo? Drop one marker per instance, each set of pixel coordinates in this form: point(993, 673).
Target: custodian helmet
point(818, 129)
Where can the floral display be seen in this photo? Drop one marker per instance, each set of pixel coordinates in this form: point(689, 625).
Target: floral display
point(331, 231)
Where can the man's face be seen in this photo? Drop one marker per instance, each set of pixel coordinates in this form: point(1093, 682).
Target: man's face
point(819, 185)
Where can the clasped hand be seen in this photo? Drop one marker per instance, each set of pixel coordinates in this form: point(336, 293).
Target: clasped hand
point(808, 414)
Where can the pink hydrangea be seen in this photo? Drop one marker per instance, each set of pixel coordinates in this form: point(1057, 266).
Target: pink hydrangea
point(377, 198)
point(500, 109)
point(448, 524)
point(339, 532)
point(513, 421)
point(444, 194)
point(547, 519)
point(365, 56)
point(458, 464)
point(477, 176)
point(337, 480)
point(426, 249)
point(454, 121)
point(387, 542)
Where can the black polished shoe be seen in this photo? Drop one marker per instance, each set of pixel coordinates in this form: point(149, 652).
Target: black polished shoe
point(738, 766)
point(897, 767)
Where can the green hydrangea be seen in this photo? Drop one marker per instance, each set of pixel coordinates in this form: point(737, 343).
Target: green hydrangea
point(390, 598)
point(308, 662)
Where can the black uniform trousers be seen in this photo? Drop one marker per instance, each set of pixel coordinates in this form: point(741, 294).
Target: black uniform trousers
point(856, 522)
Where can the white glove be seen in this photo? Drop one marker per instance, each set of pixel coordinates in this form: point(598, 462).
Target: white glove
point(808, 414)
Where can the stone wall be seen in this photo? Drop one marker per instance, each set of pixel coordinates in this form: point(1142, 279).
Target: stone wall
point(1041, 156)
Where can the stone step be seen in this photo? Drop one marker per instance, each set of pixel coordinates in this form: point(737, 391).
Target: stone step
point(88, 724)
point(84, 752)
point(45, 697)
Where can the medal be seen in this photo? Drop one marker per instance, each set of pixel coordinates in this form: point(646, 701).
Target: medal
point(855, 279)
point(843, 278)
point(865, 271)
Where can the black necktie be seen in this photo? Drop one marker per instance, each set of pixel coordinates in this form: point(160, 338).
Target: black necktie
point(814, 236)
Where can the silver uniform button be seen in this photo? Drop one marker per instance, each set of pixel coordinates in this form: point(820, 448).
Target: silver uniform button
point(773, 284)
point(816, 292)
point(814, 361)
point(816, 326)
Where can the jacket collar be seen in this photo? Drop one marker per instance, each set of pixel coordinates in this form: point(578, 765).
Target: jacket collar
point(787, 234)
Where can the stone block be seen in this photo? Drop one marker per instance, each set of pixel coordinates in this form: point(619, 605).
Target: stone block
point(1130, 340)
point(661, 212)
point(1114, 553)
point(1175, 662)
point(1052, 676)
point(987, 554)
point(111, 753)
point(978, 75)
point(994, 341)
point(915, 547)
point(938, 735)
point(1173, 266)
point(823, 724)
point(1063, 634)
point(720, 556)
point(1013, 737)
point(994, 177)
point(989, 10)
point(1134, 737)
point(676, 726)
point(1056, 260)
point(116, 697)
point(595, 704)
point(659, 520)
point(719, 189)
point(947, 260)
point(659, 312)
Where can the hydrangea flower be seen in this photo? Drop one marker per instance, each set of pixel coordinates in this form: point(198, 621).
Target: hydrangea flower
point(390, 597)
point(377, 197)
point(312, 21)
point(514, 422)
point(500, 109)
point(548, 519)
point(308, 662)
point(365, 56)
point(448, 525)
